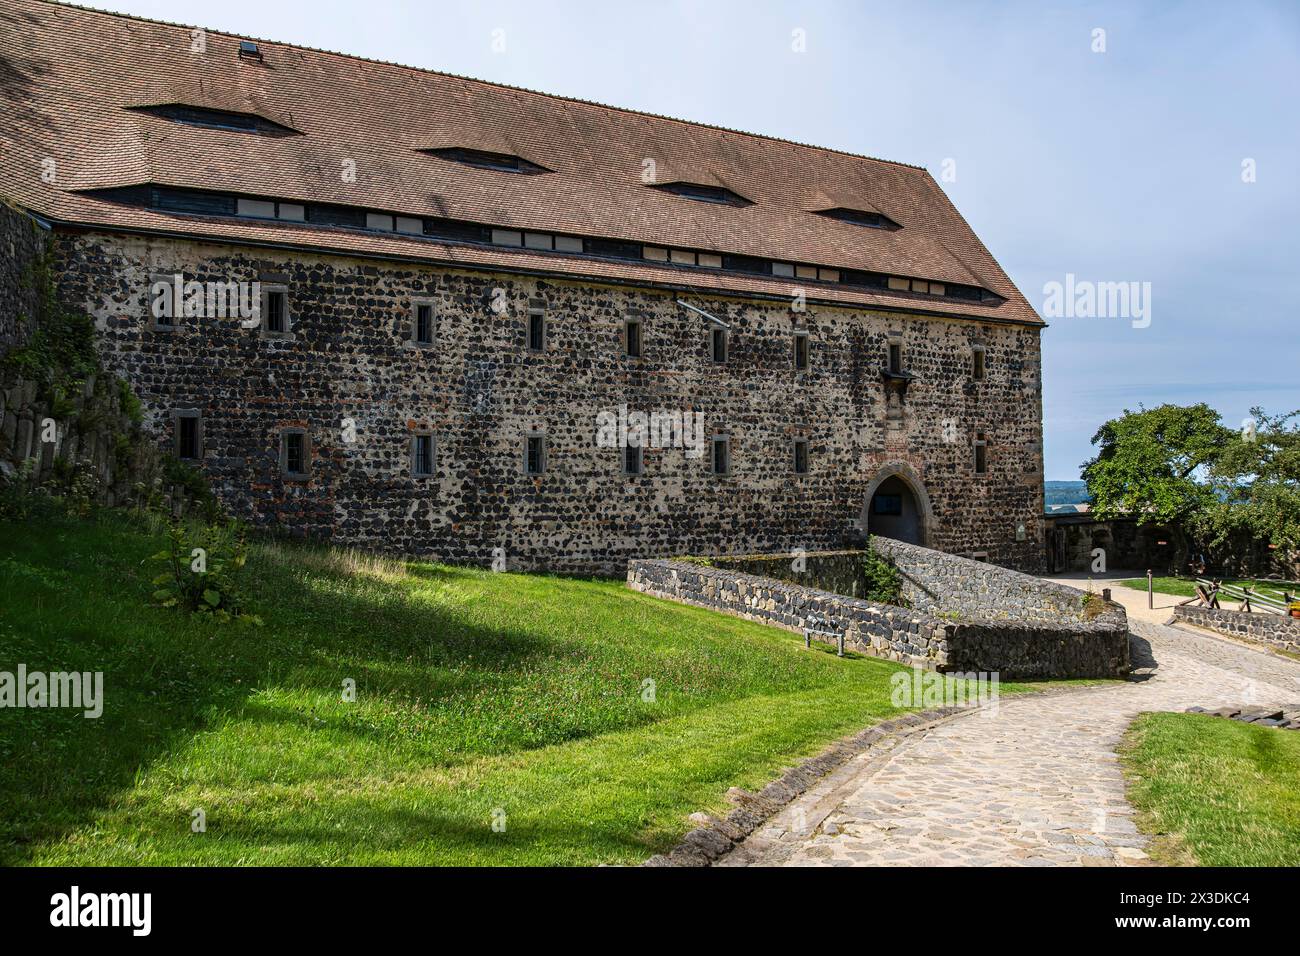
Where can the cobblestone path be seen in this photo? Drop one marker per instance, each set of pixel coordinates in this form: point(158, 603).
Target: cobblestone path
point(1034, 783)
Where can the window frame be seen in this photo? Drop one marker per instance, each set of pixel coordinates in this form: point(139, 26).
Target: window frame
point(537, 315)
point(187, 414)
point(723, 440)
point(543, 454)
point(432, 470)
point(266, 290)
point(802, 359)
point(980, 454)
point(894, 347)
point(285, 434)
point(414, 337)
point(636, 452)
point(165, 323)
point(799, 442)
point(716, 335)
point(979, 363)
point(639, 323)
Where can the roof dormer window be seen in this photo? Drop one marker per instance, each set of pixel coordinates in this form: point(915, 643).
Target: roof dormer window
point(217, 119)
point(859, 217)
point(701, 193)
point(482, 159)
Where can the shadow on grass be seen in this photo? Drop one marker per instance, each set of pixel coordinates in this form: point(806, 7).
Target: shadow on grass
point(77, 599)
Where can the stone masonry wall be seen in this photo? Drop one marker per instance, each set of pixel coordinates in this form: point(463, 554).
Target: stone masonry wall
point(22, 242)
point(481, 391)
point(1270, 630)
point(938, 582)
point(1053, 644)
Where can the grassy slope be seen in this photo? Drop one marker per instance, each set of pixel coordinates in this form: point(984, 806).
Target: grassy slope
point(475, 691)
point(1224, 793)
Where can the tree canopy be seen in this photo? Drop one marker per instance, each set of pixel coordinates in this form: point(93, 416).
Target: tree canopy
point(1181, 465)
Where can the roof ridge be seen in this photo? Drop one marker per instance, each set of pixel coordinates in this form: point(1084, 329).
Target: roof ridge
point(503, 86)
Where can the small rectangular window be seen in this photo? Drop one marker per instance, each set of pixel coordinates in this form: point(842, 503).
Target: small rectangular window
point(977, 364)
point(535, 455)
point(896, 357)
point(633, 459)
point(275, 310)
point(801, 456)
point(188, 434)
point(536, 331)
point(981, 455)
point(719, 345)
point(721, 455)
point(295, 453)
point(422, 455)
point(422, 326)
point(632, 338)
point(801, 350)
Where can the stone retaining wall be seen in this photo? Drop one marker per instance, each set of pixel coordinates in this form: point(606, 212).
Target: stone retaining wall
point(948, 583)
point(1054, 646)
point(1270, 630)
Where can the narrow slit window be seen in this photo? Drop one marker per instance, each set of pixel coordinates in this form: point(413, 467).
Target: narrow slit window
point(633, 460)
point(535, 455)
point(719, 345)
point(981, 455)
point(275, 311)
point(536, 331)
point(896, 357)
point(801, 456)
point(721, 455)
point(188, 442)
point(801, 350)
point(632, 338)
point(422, 331)
point(977, 364)
point(422, 455)
point(295, 453)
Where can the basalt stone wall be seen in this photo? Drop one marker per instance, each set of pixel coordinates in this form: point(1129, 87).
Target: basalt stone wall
point(1270, 630)
point(480, 391)
point(22, 244)
point(938, 582)
point(880, 630)
point(1056, 645)
point(839, 572)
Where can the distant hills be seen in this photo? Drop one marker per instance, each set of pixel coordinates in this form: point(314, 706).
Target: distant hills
point(1063, 496)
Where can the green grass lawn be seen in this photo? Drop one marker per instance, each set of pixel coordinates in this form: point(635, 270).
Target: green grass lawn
point(1184, 587)
point(475, 692)
point(1220, 792)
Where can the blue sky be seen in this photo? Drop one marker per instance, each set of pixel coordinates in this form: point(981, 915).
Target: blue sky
point(1123, 165)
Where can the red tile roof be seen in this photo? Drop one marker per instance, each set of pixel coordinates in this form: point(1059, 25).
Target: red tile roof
point(69, 75)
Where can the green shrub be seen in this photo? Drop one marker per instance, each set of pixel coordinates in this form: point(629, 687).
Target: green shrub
point(201, 572)
point(883, 579)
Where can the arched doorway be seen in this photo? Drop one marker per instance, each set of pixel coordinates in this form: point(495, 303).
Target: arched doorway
point(897, 506)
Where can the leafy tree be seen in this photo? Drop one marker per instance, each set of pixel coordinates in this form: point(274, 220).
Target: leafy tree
point(1155, 463)
point(1256, 483)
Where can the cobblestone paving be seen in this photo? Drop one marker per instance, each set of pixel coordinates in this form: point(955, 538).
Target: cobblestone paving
point(1036, 782)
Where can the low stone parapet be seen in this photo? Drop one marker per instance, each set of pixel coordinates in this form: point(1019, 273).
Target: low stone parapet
point(1059, 643)
point(1268, 630)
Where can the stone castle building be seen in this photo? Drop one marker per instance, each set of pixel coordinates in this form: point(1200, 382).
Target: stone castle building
point(454, 293)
